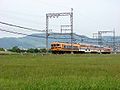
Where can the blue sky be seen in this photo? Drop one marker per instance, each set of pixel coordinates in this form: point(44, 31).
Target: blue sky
point(89, 15)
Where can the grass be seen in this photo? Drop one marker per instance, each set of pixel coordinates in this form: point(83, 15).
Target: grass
point(60, 72)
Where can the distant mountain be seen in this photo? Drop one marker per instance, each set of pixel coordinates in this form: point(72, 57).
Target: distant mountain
point(34, 42)
point(24, 42)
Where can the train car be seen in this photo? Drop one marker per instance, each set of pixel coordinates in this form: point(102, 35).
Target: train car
point(106, 50)
point(61, 48)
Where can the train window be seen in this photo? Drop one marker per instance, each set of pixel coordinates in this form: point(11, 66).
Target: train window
point(75, 47)
point(67, 46)
point(64, 46)
point(58, 44)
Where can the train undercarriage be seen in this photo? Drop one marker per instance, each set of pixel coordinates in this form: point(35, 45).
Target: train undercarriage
point(78, 52)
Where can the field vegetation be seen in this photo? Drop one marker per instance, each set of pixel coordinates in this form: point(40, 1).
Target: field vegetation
point(60, 72)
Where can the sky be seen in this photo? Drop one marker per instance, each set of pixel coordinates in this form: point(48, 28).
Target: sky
point(90, 16)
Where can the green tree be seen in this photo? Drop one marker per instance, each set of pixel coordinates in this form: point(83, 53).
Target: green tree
point(43, 50)
point(36, 50)
point(2, 49)
point(15, 49)
point(31, 50)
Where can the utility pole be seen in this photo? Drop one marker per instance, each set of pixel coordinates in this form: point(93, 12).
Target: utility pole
point(71, 20)
point(54, 15)
point(114, 41)
point(100, 40)
point(47, 20)
point(95, 37)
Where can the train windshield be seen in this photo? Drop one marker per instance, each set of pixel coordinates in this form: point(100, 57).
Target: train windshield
point(55, 45)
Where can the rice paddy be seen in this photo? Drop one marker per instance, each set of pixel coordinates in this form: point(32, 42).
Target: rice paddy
point(60, 72)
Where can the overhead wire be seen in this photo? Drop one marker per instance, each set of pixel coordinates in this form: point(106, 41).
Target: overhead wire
point(18, 33)
point(31, 29)
point(13, 25)
point(36, 36)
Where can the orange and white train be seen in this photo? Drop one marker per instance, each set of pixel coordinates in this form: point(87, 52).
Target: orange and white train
point(61, 48)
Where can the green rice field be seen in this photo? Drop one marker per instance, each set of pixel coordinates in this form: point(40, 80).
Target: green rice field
point(60, 72)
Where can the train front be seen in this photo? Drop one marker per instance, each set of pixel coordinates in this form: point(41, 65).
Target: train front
point(56, 47)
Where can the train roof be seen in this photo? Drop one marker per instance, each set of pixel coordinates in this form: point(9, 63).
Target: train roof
point(81, 44)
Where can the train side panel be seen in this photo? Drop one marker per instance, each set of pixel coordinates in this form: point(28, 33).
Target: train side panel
point(59, 47)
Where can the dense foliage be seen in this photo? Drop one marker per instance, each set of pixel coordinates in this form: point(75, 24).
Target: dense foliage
point(31, 50)
point(2, 49)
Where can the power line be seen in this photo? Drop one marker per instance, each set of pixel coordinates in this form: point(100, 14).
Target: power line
point(18, 33)
point(30, 29)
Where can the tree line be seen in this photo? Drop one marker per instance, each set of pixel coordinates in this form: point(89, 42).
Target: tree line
point(31, 50)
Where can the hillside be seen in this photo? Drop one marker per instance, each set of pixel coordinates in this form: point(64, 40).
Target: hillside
point(33, 42)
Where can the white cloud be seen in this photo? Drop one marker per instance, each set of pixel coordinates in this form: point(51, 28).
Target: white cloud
point(89, 15)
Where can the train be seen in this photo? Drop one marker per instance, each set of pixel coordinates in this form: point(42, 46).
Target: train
point(64, 47)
